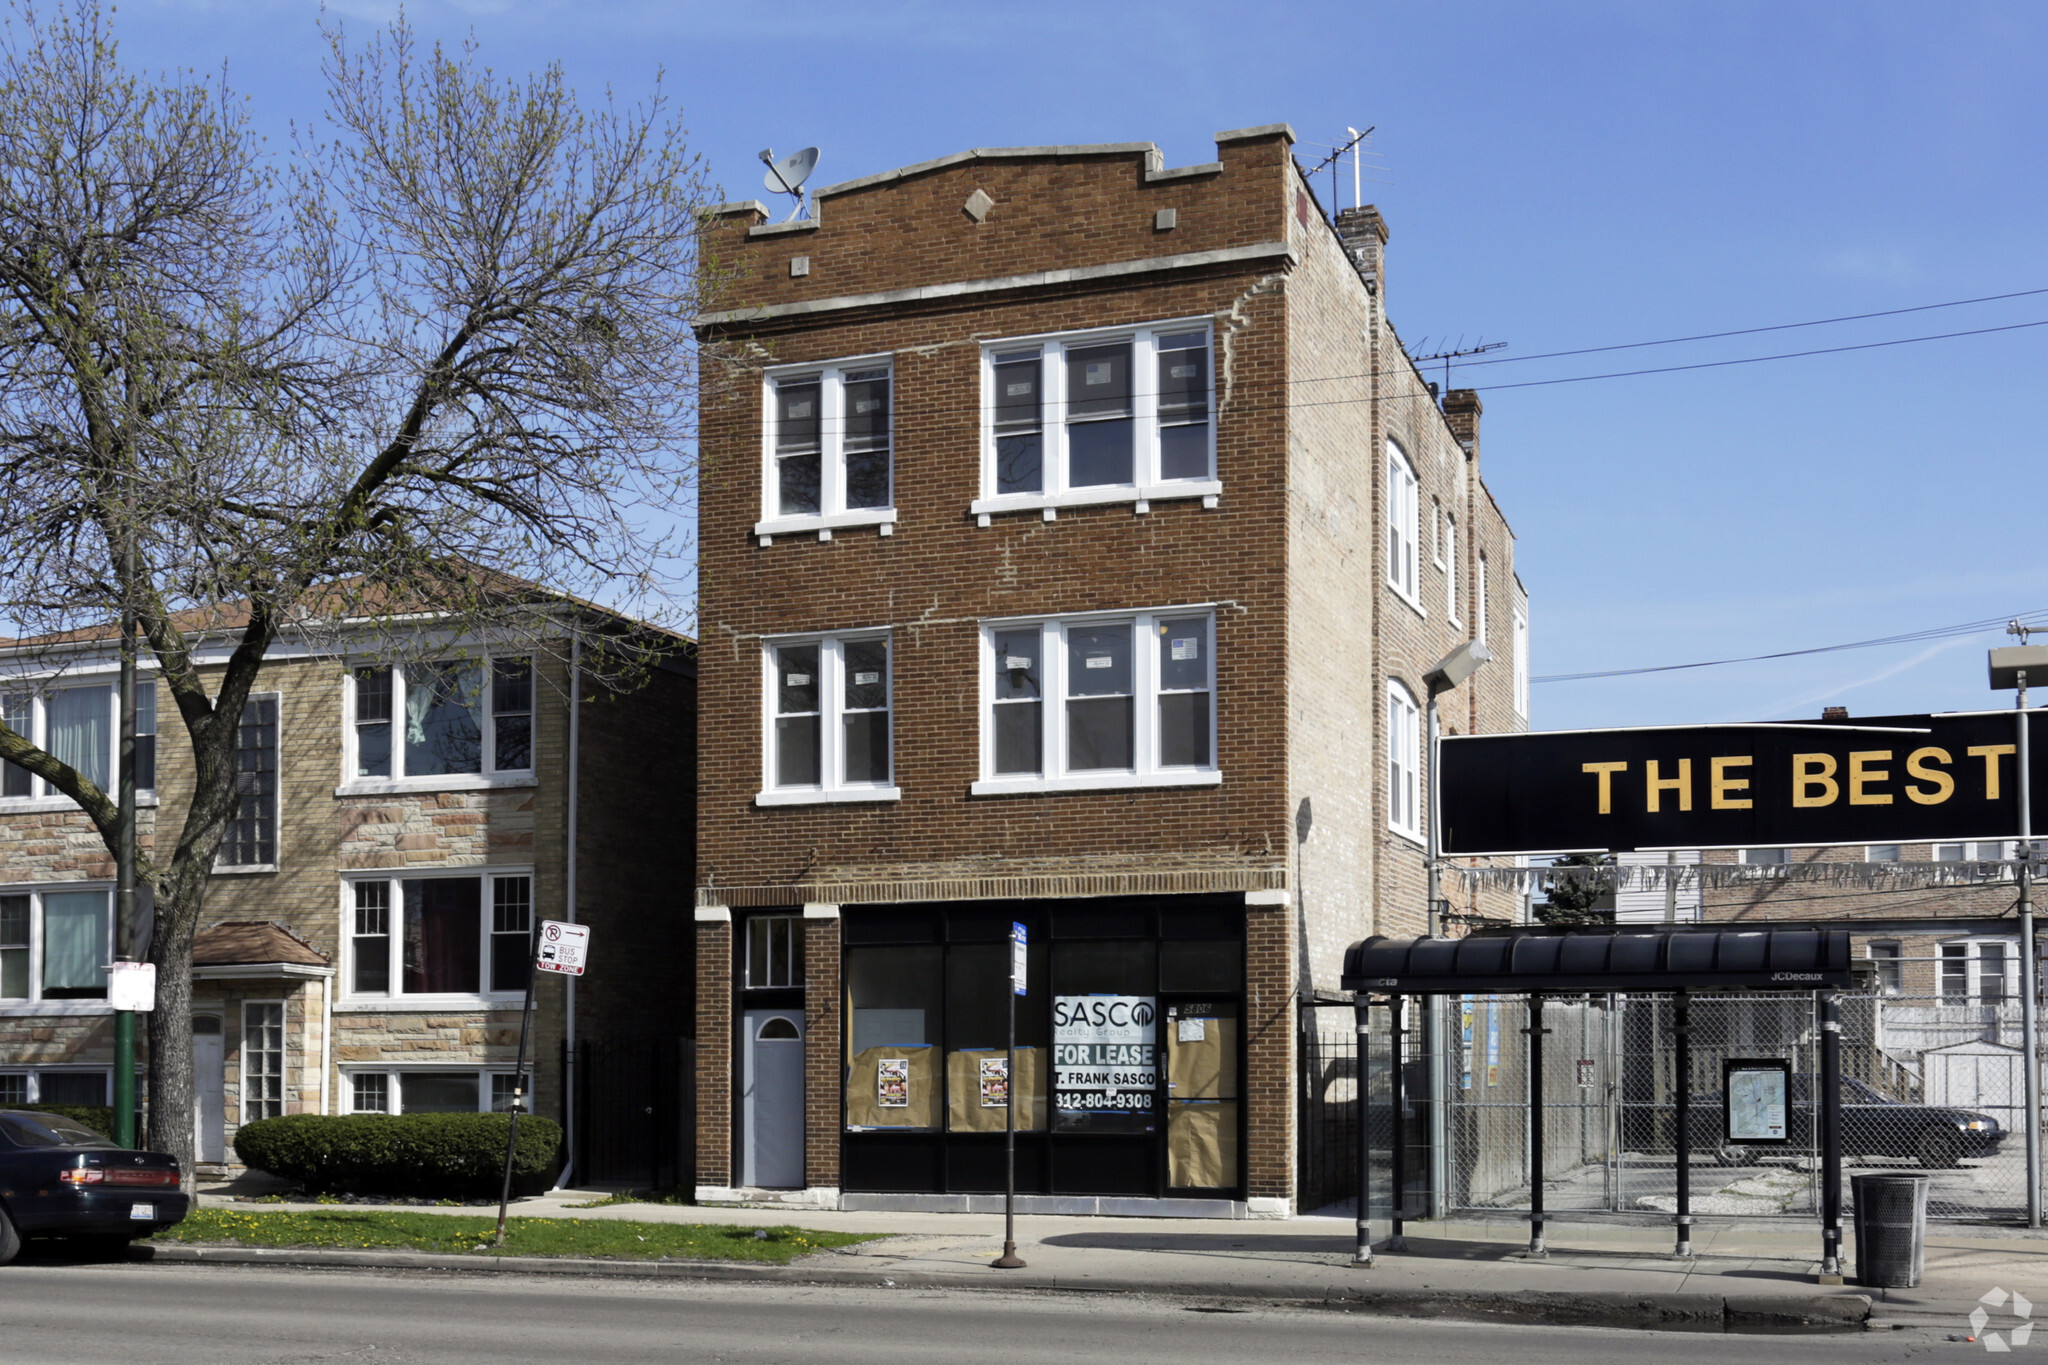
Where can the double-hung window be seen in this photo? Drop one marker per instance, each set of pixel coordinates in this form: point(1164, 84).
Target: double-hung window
point(54, 945)
point(1404, 762)
point(826, 731)
point(1085, 702)
point(424, 723)
point(1449, 559)
point(1123, 416)
point(1521, 663)
point(78, 725)
point(1978, 972)
point(439, 935)
point(251, 838)
point(828, 448)
point(1402, 512)
point(439, 1090)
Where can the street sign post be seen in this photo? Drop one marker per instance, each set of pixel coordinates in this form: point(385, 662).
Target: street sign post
point(556, 946)
point(1019, 958)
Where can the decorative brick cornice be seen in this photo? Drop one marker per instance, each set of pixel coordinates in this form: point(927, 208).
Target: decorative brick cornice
point(1030, 887)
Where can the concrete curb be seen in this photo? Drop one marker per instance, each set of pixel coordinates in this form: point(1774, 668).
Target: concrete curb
point(1684, 1312)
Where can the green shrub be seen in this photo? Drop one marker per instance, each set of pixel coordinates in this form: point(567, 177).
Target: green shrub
point(98, 1117)
point(449, 1156)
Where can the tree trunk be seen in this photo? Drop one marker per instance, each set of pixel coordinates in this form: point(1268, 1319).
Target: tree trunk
point(171, 1101)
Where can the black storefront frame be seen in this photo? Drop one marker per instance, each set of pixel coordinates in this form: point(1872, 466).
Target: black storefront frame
point(938, 1160)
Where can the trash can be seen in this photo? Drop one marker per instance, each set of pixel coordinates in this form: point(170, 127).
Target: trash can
point(1891, 1228)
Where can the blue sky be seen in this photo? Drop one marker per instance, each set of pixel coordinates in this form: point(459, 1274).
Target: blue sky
point(1555, 175)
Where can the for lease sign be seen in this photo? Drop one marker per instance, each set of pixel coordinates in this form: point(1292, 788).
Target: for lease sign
point(1105, 1053)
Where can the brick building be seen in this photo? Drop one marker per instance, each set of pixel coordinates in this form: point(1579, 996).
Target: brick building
point(1075, 533)
point(364, 940)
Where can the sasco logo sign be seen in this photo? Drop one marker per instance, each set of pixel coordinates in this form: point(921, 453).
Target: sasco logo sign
point(1099, 1012)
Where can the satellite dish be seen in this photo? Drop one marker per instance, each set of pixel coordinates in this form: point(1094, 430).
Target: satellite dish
point(787, 175)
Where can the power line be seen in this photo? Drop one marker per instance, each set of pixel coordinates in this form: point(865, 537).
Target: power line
point(1911, 637)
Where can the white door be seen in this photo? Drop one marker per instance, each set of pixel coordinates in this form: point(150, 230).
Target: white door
point(209, 1077)
point(772, 1100)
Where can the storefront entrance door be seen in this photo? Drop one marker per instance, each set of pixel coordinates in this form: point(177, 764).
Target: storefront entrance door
point(772, 1100)
point(209, 1109)
point(1202, 1096)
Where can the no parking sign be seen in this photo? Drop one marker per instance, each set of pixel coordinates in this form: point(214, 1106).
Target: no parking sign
point(563, 947)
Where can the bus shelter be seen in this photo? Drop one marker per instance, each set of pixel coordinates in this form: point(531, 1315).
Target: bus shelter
point(1547, 963)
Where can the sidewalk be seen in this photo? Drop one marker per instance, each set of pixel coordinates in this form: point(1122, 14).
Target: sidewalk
point(1755, 1275)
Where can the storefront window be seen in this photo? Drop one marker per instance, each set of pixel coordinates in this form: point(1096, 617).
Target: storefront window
point(1105, 1037)
point(977, 1038)
point(894, 1001)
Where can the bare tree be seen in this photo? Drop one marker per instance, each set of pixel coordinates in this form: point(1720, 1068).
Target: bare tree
point(437, 353)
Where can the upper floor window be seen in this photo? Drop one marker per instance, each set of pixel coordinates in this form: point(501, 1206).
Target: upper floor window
point(828, 447)
point(1404, 762)
point(434, 720)
point(79, 725)
point(1888, 966)
point(1982, 851)
point(1521, 664)
point(55, 945)
point(1883, 853)
point(439, 935)
point(1402, 492)
point(1448, 557)
point(1479, 603)
point(775, 951)
point(251, 838)
point(827, 724)
point(1978, 972)
point(1763, 857)
point(1100, 417)
point(1099, 701)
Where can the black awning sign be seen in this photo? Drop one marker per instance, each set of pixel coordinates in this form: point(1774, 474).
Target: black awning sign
point(1898, 779)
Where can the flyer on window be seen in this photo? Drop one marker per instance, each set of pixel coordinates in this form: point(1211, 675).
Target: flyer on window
point(995, 1082)
point(892, 1083)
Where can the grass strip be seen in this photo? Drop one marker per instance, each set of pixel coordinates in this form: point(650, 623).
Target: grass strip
point(452, 1234)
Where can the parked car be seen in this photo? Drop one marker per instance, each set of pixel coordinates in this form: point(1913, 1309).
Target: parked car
point(1873, 1124)
point(58, 1178)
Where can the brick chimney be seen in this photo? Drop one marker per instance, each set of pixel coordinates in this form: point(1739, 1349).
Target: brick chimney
point(1364, 234)
point(1461, 414)
point(1834, 713)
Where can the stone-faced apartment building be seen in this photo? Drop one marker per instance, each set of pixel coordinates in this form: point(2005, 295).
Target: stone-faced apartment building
point(364, 943)
point(1075, 535)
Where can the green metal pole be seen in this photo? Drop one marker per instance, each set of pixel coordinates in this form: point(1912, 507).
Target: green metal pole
point(124, 855)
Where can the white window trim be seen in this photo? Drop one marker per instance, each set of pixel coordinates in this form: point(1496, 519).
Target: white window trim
point(1436, 530)
point(350, 1000)
point(1520, 662)
point(284, 1069)
point(1146, 485)
point(40, 688)
point(1449, 563)
point(391, 1072)
point(277, 839)
point(831, 694)
point(35, 1005)
point(1972, 982)
point(1406, 735)
point(1870, 855)
point(489, 779)
point(1403, 514)
point(1479, 620)
point(1053, 717)
point(1896, 959)
point(834, 515)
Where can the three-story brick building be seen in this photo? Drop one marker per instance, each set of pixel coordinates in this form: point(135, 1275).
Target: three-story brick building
point(1075, 534)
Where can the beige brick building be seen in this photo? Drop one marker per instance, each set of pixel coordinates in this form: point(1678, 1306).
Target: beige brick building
point(364, 938)
point(1075, 534)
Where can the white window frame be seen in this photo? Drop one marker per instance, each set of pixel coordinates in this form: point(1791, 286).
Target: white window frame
point(353, 785)
point(1449, 561)
point(1973, 958)
point(1147, 484)
point(246, 1054)
point(833, 513)
point(42, 796)
point(1404, 490)
point(33, 1002)
point(1404, 785)
point(1894, 959)
point(1479, 620)
point(1146, 770)
point(35, 1074)
point(394, 1094)
point(1870, 853)
point(396, 998)
point(1437, 537)
point(1772, 857)
point(1977, 851)
point(831, 715)
point(277, 796)
point(1521, 663)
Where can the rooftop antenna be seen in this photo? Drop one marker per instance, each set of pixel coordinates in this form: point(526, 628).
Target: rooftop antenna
point(787, 176)
point(1448, 356)
point(1332, 160)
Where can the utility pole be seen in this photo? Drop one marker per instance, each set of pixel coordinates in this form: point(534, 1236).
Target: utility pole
point(2009, 668)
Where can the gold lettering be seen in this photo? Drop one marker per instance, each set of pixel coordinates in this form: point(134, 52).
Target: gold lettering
point(1682, 784)
point(1861, 775)
point(1990, 753)
point(1916, 766)
point(1606, 772)
point(1814, 770)
point(1724, 786)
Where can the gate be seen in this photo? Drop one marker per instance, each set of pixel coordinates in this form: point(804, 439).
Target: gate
point(633, 1101)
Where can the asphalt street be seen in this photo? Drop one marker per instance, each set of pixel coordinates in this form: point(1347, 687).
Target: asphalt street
point(56, 1314)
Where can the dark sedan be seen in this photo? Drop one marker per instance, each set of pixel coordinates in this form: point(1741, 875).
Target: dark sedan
point(59, 1178)
point(1873, 1124)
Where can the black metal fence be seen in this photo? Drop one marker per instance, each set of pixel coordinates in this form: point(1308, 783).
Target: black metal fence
point(1327, 1117)
point(634, 1124)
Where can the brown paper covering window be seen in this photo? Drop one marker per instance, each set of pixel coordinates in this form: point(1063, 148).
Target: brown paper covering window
point(964, 1111)
point(1201, 1144)
point(1206, 1070)
point(863, 1105)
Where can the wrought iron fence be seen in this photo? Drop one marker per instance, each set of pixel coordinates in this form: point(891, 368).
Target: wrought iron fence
point(633, 1111)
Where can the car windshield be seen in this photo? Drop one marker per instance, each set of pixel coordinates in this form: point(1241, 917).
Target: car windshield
point(48, 1130)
